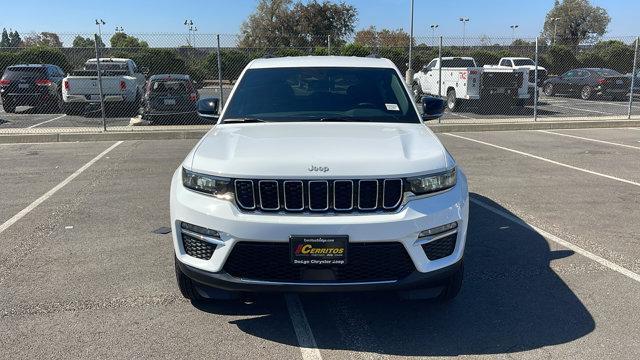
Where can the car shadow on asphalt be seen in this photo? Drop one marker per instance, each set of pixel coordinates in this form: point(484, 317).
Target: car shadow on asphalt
point(511, 301)
point(513, 111)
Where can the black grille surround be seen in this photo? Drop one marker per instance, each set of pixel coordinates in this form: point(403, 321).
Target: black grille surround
point(440, 248)
point(366, 262)
point(319, 195)
point(197, 248)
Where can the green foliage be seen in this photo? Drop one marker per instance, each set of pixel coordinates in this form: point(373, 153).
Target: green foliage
point(7, 59)
point(558, 59)
point(42, 39)
point(233, 62)
point(354, 50)
point(484, 57)
point(571, 22)
point(43, 55)
point(616, 55)
point(122, 40)
point(81, 42)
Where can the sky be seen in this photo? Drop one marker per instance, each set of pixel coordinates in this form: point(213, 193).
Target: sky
point(487, 17)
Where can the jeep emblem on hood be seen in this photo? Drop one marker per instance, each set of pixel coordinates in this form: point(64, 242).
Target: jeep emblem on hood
point(318, 168)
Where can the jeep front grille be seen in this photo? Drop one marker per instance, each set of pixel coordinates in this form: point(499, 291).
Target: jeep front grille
point(319, 195)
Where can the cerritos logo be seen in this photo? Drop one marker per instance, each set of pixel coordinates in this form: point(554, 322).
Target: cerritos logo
point(309, 249)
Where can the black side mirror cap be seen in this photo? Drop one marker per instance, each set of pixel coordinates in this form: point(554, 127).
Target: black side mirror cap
point(207, 108)
point(433, 107)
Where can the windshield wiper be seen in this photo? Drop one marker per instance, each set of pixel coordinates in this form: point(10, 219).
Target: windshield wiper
point(243, 120)
point(342, 118)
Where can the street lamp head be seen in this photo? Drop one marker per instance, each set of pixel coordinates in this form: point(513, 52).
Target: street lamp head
point(464, 19)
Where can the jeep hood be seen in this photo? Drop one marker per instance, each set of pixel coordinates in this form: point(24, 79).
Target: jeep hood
point(339, 150)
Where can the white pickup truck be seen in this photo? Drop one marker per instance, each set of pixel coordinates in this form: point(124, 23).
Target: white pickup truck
point(464, 82)
point(528, 64)
point(122, 85)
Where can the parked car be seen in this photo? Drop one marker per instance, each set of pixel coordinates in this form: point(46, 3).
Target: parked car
point(588, 83)
point(122, 86)
point(31, 85)
point(170, 97)
point(464, 82)
point(525, 63)
point(320, 175)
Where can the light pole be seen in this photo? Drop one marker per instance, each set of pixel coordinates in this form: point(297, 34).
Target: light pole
point(464, 22)
point(193, 35)
point(555, 28)
point(433, 30)
point(100, 22)
point(409, 75)
point(189, 25)
point(513, 30)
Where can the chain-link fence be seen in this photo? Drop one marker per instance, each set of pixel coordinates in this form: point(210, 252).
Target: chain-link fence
point(155, 80)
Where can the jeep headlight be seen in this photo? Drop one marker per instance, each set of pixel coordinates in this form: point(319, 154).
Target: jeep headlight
point(432, 183)
point(211, 185)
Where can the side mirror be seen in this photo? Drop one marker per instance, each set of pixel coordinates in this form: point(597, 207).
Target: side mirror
point(432, 107)
point(207, 108)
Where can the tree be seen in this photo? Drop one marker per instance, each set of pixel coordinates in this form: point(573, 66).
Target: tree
point(14, 39)
point(4, 41)
point(48, 39)
point(384, 38)
point(277, 23)
point(122, 40)
point(81, 42)
point(572, 22)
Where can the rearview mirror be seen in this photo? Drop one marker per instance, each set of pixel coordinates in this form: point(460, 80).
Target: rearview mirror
point(207, 108)
point(432, 107)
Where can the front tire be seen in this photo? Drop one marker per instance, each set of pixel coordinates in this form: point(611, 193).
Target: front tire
point(549, 90)
point(586, 93)
point(186, 285)
point(453, 285)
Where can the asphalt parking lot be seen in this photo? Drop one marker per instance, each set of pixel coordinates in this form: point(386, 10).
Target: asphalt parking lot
point(550, 108)
point(552, 261)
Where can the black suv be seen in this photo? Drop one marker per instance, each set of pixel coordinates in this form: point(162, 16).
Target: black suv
point(170, 97)
point(32, 85)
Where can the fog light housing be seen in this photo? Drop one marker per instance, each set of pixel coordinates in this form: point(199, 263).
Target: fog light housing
point(438, 230)
point(190, 228)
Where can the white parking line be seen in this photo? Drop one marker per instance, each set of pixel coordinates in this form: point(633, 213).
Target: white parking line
point(547, 160)
point(602, 261)
point(44, 122)
point(462, 116)
point(589, 139)
point(49, 193)
point(578, 109)
point(306, 341)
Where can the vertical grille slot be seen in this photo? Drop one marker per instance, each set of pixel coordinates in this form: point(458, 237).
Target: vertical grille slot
point(343, 195)
point(245, 194)
point(391, 193)
point(318, 195)
point(293, 196)
point(367, 194)
point(269, 194)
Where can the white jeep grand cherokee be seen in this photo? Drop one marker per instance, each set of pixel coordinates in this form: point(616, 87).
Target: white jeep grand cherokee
point(319, 176)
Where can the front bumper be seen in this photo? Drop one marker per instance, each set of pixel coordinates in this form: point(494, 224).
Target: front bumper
point(402, 226)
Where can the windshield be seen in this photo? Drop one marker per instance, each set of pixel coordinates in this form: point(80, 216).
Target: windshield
point(15, 72)
point(322, 94)
point(523, 62)
point(169, 87)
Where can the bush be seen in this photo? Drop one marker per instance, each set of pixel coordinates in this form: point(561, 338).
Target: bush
point(43, 55)
point(591, 59)
point(616, 55)
point(7, 59)
point(232, 61)
point(354, 50)
point(484, 57)
point(559, 59)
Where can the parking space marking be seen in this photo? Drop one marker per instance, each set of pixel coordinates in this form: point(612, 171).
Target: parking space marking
point(589, 139)
point(578, 109)
point(602, 261)
point(49, 193)
point(50, 120)
point(546, 160)
point(306, 341)
point(462, 116)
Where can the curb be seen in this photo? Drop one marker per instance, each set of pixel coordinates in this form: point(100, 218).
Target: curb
point(186, 133)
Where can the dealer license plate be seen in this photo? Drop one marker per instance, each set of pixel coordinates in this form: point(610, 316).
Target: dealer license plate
point(319, 250)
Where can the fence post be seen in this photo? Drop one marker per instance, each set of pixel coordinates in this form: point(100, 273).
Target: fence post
point(219, 75)
point(440, 72)
point(535, 87)
point(328, 44)
point(97, 46)
point(633, 77)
